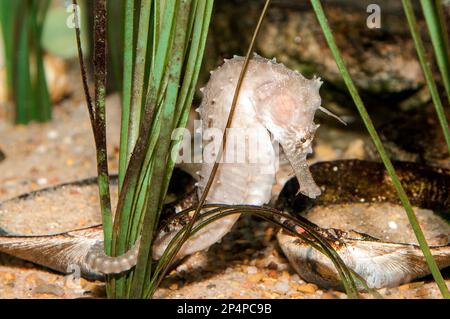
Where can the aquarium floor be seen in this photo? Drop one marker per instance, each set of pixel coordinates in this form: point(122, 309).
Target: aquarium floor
point(246, 264)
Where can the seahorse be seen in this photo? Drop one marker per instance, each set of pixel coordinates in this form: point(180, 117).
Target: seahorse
point(275, 105)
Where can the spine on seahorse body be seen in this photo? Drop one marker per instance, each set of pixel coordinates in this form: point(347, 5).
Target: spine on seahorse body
point(275, 105)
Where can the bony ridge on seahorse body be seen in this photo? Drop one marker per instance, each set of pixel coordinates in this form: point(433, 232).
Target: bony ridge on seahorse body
point(273, 101)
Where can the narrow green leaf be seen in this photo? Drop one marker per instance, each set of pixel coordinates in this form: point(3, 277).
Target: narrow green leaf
point(100, 22)
point(439, 38)
point(137, 88)
point(126, 87)
point(23, 96)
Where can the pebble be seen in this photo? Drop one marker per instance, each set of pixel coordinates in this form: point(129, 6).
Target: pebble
point(328, 295)
point(42, 181)
point(30, 279)
point(282, 286)
point(52, 135)
point(307, 288)
point(41, 149)
point(269, 280)
point(285, 275)
point(392, 225)
point(422, 292)
point(255, 277)
point(296, 278)
point(49, 289)
point(7, 276)
point(411, 285)
point(252, 270)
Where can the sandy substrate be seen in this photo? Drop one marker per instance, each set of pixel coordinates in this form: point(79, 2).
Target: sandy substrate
point(61, 210)
point(246, 264)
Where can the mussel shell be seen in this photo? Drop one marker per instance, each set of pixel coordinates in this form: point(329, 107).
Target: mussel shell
point(381, 264)
point(62, 251)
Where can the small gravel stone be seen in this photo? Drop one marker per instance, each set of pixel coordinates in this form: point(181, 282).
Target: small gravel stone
point(392, 225)
point(252, 270)
point(52, 135)
point(296, 278)
point(256, 277)
point(42, 181)
point(282, 286)
point(49, 289)
point(307, 288)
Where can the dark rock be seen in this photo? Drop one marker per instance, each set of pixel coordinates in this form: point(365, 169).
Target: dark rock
point(415, 136)
point(379, 60)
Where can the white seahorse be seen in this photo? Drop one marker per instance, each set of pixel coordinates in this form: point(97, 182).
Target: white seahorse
point(273, 101)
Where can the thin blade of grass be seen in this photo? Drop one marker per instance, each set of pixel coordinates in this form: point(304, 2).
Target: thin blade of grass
point(128, 58)
point(97, 110)
point(441, 55)
point(39, 82)
point(22, 80)
point(100, 48)
point(439, 39)
point(320, 14)
point(8, 13)
point(137, 88)
point(22, 23)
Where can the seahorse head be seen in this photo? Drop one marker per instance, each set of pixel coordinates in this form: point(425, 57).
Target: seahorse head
point(286, 106)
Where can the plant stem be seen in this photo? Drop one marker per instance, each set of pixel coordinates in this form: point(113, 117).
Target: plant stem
point(22, 80)
point(8, 12)
point(97, 114)
point(126, 87)
point(43, 105)
point(139, 73)
point(441, 55)
point(376, 140)
point(436, 28)
point(100, 119)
